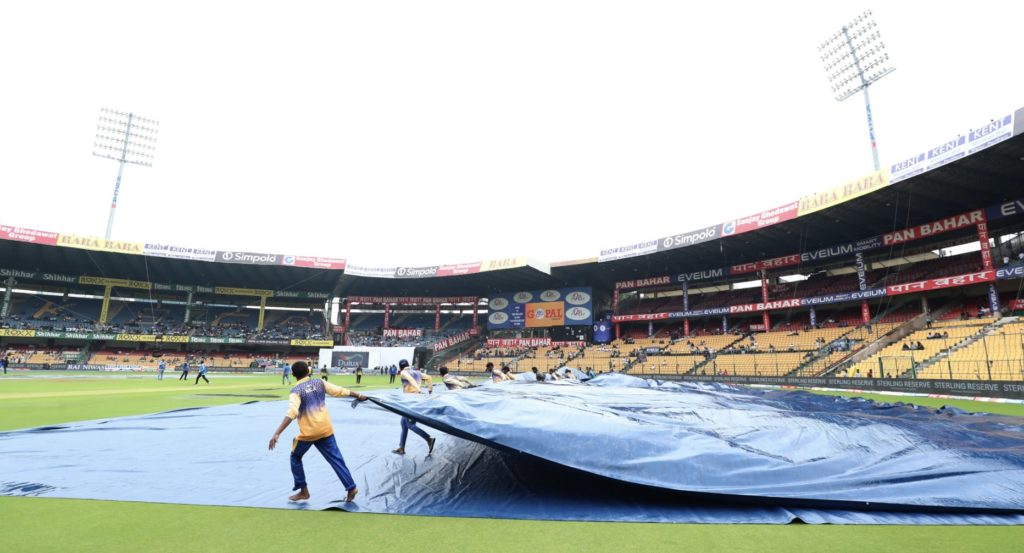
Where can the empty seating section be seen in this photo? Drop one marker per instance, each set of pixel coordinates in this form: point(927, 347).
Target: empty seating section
point(996, 356)
point(908, 353)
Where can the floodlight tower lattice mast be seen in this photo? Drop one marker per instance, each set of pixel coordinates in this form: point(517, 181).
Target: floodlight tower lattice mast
point(125, 138)
point(855, 58)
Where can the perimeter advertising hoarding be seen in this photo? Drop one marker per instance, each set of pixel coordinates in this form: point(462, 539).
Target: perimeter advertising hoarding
point(350, 359)
point(541, 308)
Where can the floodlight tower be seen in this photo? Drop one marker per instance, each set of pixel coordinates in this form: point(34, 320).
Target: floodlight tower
point(125, 138)
point(855, 58)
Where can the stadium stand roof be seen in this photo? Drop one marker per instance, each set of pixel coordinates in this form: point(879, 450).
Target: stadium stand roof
point(988, 176)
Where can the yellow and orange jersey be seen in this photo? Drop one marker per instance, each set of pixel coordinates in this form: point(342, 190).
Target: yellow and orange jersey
point(307, 403)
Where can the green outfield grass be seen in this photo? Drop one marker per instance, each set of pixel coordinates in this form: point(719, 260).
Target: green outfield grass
point(45, 524)
point(41, 398)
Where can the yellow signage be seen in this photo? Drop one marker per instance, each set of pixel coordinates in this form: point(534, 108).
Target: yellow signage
point(845, 192)
point(135, 338)
point(99, 244)
point(174, 339)
point(506, 263)
point(313, 343)
point(15, 333)
point(118, 282)
point(242, 291)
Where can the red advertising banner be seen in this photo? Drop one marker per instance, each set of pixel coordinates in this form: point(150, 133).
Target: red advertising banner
point(412, 300)
point(761, 220)
point(765, 306)
point(639, 317)
point(459, 269)
point(643, 282)
point(402, 332)
point(940, 283)
point(1016, 305)
point(865, 312)
point(518, 342)
point(21, 234)
point(955, 222)
point(774, 263)
point(986, 249)
point(332, 263)
point(451, 341)
point(338, 329)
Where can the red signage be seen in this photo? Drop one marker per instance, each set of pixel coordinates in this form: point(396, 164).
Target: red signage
point(459, 269)
point(518, 342)
point(1016, 305)
point(399, 300)
point(402, 332)
point(20, 234)
point(450, 341)
point(314, 262)
point(986, 249)
point(775, 263)
point(761, 220)
point(643, 283)
point(940, 283)
point(955, 222)
point(639, 317)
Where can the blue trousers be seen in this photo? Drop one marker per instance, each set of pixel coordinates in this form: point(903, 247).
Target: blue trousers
point(407, 425)
point(327, 447)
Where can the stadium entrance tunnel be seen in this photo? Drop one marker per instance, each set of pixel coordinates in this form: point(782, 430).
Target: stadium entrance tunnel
point(616, 449)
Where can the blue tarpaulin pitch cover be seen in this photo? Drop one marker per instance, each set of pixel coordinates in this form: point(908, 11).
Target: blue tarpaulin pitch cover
point(614, 449)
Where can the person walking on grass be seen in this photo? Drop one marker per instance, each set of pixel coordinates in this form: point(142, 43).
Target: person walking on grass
point(411, 380)
point(284, 374)
point(184, 371)
point(307, 403)
point(202, 372)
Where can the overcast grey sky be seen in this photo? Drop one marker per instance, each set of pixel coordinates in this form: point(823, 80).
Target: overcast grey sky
point(416, 133)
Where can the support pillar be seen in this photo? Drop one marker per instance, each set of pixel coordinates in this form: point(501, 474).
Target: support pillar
point(348, 315)
point(476, 307)
point(5, 310)
point(686, 327)
point(650, 328)
point(865, 312)
point(105, 309)
point(387, 315)
point(725, 324)
point(814, 317)
point(618, 333)
point(437, 317)
point(188, 308)
point(765, 319)
point(263, 312)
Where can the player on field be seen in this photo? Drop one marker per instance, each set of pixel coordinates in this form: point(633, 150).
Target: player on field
point(160, 370)
point(184, 371)
point(202, 372)
point(411, 379)
point(307, 402)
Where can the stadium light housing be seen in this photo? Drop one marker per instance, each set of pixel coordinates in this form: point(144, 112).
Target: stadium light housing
point(855, 58)
point(125, 138)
